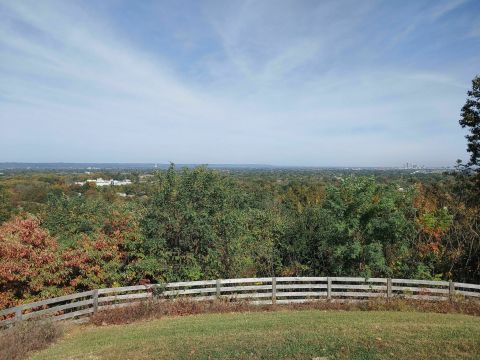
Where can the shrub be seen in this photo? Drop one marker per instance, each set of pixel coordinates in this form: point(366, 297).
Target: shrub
point(154, 309)
point(29, 262)
point(17, 341)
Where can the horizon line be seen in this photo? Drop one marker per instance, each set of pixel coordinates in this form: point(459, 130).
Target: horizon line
point(163, 164)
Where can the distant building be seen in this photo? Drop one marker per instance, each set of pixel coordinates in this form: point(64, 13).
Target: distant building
point(121, 182)
point(125, 195)
point(102, 182)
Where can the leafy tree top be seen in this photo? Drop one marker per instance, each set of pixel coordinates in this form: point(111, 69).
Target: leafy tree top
point(471, 120)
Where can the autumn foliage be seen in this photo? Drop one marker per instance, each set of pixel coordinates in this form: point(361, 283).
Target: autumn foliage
point(30, 265)
point(200, 224)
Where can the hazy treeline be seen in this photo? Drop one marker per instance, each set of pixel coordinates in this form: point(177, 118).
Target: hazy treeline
point(190, 224)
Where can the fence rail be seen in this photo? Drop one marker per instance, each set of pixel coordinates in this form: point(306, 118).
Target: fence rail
point(275, 290)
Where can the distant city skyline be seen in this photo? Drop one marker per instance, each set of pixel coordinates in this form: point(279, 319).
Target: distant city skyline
point(286, 83)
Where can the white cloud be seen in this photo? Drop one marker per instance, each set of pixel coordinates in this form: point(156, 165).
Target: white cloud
point(285, 84)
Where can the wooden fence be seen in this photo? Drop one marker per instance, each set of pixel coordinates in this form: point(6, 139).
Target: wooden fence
point(268, 290)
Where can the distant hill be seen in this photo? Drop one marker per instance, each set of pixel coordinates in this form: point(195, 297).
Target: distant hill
point(117, 166)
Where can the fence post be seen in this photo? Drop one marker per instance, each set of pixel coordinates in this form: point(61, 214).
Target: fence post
point(18, 314)
point(274, 290)
point(329, 288)
point(95, 301)
point(389, 288)
point(219, 288)
point(451, 290)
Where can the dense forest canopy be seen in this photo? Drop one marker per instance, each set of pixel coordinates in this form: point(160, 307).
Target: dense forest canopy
point(58, 237)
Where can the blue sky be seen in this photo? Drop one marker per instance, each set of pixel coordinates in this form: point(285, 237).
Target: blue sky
point(321, 83)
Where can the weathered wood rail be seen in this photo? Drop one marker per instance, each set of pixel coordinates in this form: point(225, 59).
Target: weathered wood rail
point(267, 290)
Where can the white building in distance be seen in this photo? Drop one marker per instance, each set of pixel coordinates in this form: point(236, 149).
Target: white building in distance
point(102, 182)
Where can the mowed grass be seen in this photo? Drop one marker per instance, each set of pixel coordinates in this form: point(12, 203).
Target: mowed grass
point(306, 334)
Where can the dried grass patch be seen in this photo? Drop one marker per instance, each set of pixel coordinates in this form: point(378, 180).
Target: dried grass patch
point(155, 309)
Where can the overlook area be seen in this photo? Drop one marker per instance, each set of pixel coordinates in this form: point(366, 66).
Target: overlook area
point(241, 179)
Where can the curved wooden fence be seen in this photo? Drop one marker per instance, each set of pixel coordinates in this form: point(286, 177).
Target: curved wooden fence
point(268, 290)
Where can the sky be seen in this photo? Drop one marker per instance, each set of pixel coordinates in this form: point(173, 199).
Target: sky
point(303, 83)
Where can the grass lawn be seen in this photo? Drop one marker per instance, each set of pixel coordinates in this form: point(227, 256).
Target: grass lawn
point(306, 334)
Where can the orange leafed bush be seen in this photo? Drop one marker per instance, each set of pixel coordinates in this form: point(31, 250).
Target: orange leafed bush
point(32, 266)
point(29, 261)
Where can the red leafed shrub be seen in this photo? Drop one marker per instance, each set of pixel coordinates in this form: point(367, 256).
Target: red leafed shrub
point(29, 263)
point(32, 266)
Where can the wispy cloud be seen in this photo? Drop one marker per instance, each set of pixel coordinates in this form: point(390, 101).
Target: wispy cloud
point(444, 7)
point(289, 82)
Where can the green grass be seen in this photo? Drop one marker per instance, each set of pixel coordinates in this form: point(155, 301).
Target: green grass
point(306, 334)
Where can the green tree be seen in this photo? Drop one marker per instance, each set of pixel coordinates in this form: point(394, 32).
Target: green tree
point(198, 224)
point(71, 217)
point(361, 228)
point(471, 120)
point(463, 240)
point(6, 208)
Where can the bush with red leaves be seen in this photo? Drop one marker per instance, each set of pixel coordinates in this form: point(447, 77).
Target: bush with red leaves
point(29, 263)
